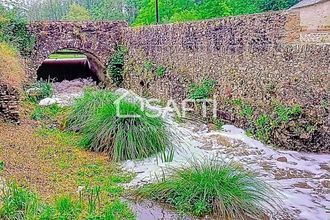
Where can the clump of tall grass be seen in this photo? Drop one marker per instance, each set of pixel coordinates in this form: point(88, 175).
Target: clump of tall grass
point(125, 138)
point(217, 188)
point(86, 107)
point(130, 135)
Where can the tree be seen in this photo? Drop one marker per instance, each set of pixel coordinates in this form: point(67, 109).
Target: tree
point(77, 13)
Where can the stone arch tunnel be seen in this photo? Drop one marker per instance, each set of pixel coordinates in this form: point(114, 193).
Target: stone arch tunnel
point(96, 40)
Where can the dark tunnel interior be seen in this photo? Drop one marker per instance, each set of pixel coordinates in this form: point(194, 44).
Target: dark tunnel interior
point(64, 68)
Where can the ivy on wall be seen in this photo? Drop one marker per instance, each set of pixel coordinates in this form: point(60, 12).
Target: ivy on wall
point(116, 66)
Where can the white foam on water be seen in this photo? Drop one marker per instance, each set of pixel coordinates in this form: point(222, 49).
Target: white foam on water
point(299, 177)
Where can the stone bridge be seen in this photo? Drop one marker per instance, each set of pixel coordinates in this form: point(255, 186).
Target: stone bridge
point(97, 40)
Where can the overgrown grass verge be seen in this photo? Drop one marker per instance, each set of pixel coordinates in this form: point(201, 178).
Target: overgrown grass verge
point(130, 135)
point(72, 183)
point(213, 188)
point(19, 203)
point(11, 69)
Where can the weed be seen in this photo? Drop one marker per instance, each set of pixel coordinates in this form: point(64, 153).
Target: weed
point(117, 210)
point(116, 66)
point(285, 114)
point(66, 208)
point(246, 110)
point(263, 128)
point(160, 71)
point(39, 90)
point(219, 124)
point(2, 166)
point(148, 65)
point(17, 202)
point(202, 91)
point(211, 187)
point(46, 112)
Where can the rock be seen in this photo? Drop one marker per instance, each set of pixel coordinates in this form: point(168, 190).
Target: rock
point(212, 127)
point(326, 183)
point(282, 159)
point(48, 102)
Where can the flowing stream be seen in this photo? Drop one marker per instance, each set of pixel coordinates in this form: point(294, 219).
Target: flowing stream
point(302, 178)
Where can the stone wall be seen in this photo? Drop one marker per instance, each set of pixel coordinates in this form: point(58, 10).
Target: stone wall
point(256, 58)
point(9, 103)
point(98, 40)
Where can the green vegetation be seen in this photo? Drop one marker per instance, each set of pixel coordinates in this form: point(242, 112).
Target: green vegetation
point(19, 203)
point(77, 12)
point(263, 125)
point(2, 166)
point(142, 12)
point(219, 124)
point(67, 54)
point(148, 65)
point(46, 112)
point(246, 110)
point(87, 107)
point(13, 31)
point(121, 136)
point(201, 91)
point(39, 90)
point(116, 66)
point(210, 187)
point(9, 60)
point(160, 71)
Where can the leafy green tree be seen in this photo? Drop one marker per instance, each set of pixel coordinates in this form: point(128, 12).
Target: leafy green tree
point(77, 13)
point(14, 31)
point(273, 5)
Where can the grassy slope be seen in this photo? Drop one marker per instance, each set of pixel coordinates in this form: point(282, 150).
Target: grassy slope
point(49, 163)
point(11, 69)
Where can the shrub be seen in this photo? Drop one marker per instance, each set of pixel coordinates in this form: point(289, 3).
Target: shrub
point(13, 30)
point(86, 107)
point(125, 137)
point(116, 66)
point(202, 91)
point(211, 187)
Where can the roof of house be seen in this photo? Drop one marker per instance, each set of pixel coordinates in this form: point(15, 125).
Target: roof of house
point(305, 3)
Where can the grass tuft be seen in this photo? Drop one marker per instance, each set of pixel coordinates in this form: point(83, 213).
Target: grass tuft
point(219, 188)
point(125, 138)
point(86, 107)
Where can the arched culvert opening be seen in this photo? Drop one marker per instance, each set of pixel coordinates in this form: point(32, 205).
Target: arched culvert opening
point(70, 65)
